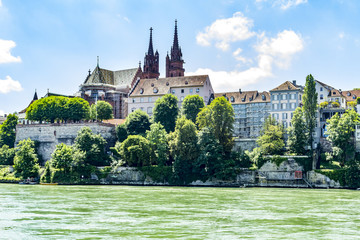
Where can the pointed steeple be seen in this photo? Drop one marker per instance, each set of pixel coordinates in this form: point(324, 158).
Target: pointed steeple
point(35, 96)
point(174, 63)
point(150, 50)
point(176, 41)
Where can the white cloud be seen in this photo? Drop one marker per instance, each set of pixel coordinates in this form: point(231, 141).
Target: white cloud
point(278, 51)
point(0, 6)
point(9, 85)
point(281, 48)
point(5, 54)
point(341, 35)
point(225, 31)
point(126, 19)
point(284, 4)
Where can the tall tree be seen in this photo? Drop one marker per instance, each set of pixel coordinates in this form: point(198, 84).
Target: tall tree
point(191, 106)
point(310, 108)
point(104, 110)
point(166, 111)
point(78, 109)
point(7, 155)
point(7, 131)
point(159, 147)
point(297, 140)
point(62, 157)
point(136, 151)
point(26, 161)
point(271, 140)
point(219, 117)
point(137, 123)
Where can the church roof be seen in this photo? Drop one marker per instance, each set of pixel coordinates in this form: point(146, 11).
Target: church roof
point(243, 97)
point(117, 78)
point(162, 86)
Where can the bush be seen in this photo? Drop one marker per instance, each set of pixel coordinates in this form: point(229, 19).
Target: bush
point(121, 132)
point(160, 174)
point(324, 104)
point(136, 151)
point(7, 155)
point(335, 104)
point(26, 161)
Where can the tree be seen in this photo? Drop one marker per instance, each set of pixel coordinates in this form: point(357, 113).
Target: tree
point(25, 161)
point(186, 151)
point(7, 155)
point(93, 145)
point(121, 132)
point(271, 140)
point(135, 151)
point(219, 117)
point(77, 109)
point(340, 131)
point(62, 157)
point(104, 110)
point(137, 123)
point(158, 144)
point(310, 108)
point(210, 158)
point(297, 140)
point(191, 106)
point(166, 111)
point(7, 130)
point(352, 104)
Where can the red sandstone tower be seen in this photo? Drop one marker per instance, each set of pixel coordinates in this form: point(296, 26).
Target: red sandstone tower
point(151, 61)
point(174, 63)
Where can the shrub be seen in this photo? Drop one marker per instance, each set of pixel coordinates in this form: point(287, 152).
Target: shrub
point(7, 155)
point(136, 151)
point(121, 132)
point(335, 104)
point(324, 104)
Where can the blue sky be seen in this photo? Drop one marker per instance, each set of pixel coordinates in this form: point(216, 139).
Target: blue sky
point(253, 44)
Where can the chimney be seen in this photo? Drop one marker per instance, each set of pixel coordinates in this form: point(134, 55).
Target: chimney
point(294, 82)
point(239, 90)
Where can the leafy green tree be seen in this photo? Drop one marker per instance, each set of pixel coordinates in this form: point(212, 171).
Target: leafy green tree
point(166, 111)
point(271, 140)
point(358, 100)
point(310, 108)
point(77, 109)
point(7, 155)
point(219, 117)
point(46, 177)
point(158, 143)
point(93, 145)
point(121, 132)
point(7, 130)
point(62, 157)
point(137, 123)
point(191, 106)
point(104, 110)
point(340, 131)
point(136, 151)
point(210, 159)
point(186, 152)
point(297, 140)
point(25, 161)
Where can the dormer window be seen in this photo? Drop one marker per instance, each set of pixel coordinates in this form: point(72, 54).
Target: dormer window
point(141, 90)
point(334, 93)
point(243, 99)
point(349, 94)
point(167, 83)
point(155, 90)
point(152, 85)
point(263, 97)
point(250, 99)
point(232, 99)
point(186, 82)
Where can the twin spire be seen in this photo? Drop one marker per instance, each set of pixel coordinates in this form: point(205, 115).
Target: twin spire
point(174, 63)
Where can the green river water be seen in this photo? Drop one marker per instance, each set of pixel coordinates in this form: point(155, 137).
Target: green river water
point(135, 212)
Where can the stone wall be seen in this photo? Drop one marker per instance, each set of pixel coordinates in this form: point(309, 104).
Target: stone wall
point(49, 135)
point(245, 143)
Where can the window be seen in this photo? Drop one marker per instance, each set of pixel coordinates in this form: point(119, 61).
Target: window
point(349, 94)
point(321, 89)
point(173, 91)
point(293, 105)
point(321, 96)
point(292, 114)
point(150, 99)
point(293, 96)
point(133, 109)
point(152, 85)
point(284, 116)
point(141, 90)
point(190, 90)
point(232, 99)
point(285, 124)
point(283, 106)
point(155, 90)
point(275, 97)
point(300, 97)
point(167, 83)
point(149, 110)
point(263, 97)
point(197, 90)
point(186, 83)
point(182, 90)
point(142, 99)
point(275, 106)
point(275, 116)
point(284, 97)
point(134, 100)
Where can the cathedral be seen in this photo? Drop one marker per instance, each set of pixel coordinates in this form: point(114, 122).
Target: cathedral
point(116, 86)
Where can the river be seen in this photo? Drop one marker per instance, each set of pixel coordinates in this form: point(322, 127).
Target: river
point(136, 212)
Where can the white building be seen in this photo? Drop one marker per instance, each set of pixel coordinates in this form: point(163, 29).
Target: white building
point(147, 91)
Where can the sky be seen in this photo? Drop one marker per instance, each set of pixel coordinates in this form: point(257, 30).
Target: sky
point(245, 44)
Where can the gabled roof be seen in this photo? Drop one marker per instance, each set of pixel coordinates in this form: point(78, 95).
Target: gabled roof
point(116, 78)
point(287, 86)
point(325, 85)
point(245, 97)
point(351, 95)
point(336, 93)
point(162, 85)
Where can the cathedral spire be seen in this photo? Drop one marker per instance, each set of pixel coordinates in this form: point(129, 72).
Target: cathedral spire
point(151, 50)
point(35, 96)
point(176, 41)
point(174, 63)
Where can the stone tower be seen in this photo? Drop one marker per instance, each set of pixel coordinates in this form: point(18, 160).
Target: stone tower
point(174, 63)
point(151, 61)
